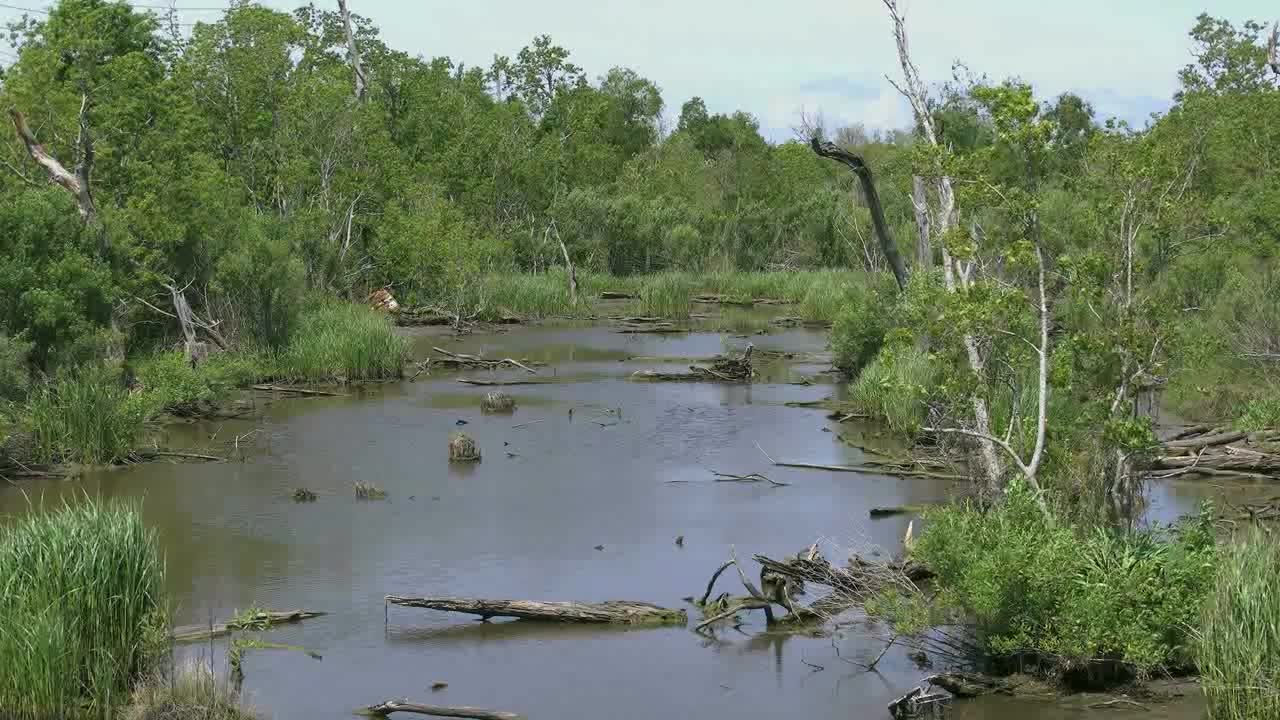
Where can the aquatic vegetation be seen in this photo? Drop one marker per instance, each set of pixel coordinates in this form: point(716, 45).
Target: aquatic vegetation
point(342, 342)
point(85, 613)
point(498, 402)
point(895, 387)
point(192, 691)
point(303, 495)
point(368, 491)
point(463, 449)
point(86, 416)
point(1238, 651)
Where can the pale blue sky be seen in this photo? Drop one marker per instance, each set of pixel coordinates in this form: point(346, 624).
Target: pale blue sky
point(772, 58)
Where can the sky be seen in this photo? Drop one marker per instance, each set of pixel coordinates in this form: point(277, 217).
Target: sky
point(773, 59)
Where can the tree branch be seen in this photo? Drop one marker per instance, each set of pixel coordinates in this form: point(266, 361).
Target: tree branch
point(863, 171)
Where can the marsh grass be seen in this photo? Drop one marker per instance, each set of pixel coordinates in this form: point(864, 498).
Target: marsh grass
point(827, 295)
point(668, 295)
point(85, 417)
point(368, 491)
point(192, 691)
point(84, 614)
point(895, 387)
point(1238, 648)
point(342, 342)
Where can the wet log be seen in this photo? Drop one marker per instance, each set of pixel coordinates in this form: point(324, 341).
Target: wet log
point(260, 621)
point(967, 685)
point(620, 612)
point(409, 318)
point(1204, 441)
point(616, 295)
point(288, 389)
point(394, 706)
point(919, 705)
point(480, 382)
point(657, 329)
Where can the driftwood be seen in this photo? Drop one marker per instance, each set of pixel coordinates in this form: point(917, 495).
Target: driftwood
point(260, 621)
point(474, 361)
point(394, 706)
point(288, 389)
point(154, 454)
point(918, 704)
point(871, 468)
point(1217, 452)
point(481, 382)
point(620, 612)
point(723, 369)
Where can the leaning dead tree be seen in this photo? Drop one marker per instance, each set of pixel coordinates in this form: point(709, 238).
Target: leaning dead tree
point(863, 172)
point(75, 182)
point(357, 67)
point(1273, 48)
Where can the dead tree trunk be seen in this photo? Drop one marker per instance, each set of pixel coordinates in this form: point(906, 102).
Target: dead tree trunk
point(573, 273)
point(620, 612)
point(863, 171)
point(357, 67)
point(920, 201)
point(196, 351)
point(77, 182)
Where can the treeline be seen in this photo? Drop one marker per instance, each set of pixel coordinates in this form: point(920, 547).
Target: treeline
point(246, 164)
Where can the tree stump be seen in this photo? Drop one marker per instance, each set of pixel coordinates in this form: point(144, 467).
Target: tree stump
point(498, 402)
point(463, 449)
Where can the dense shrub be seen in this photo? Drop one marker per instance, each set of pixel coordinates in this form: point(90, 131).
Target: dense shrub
point(860, 326)
point(1041, 591)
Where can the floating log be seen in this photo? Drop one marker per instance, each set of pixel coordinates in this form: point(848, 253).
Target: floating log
point(884, 512)
point(657, 329)
point(499, 383)
point(289, 389)
point(723, 369)
point(621, 612)
point(394, 706)
point(616, 295)
point(259, 621)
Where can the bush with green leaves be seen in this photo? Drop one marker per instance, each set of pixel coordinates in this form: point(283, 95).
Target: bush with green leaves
point(85, 614)
point(861, 323)
point(896, 386)
point(1122, 603)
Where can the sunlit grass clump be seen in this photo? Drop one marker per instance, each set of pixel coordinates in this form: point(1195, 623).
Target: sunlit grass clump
point(342, 342)
point(84, 614)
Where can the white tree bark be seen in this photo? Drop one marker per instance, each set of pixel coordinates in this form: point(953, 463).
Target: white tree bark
point(76, 183)
point(956, 275)
point(357, 67)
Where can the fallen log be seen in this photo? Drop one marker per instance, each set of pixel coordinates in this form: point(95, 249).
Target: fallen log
point(622, 612)
point(919, 705)
point(412, 319)
point(153, 454)
point(967, 685)
point(616, 295)
point(660, 329)
point(1205, 441)
point(394, 706)
point(288, 389)
point(264, 620)
point(498, 383)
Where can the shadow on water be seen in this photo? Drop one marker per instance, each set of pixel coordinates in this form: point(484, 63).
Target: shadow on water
point(524, 524)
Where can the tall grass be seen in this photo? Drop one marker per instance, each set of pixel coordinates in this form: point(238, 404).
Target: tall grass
point(191, 692)
point(530, 296)
point(84, 612)
point(895, 387)
point(86, 417)
point(342, 342)
point(1238, 652)
point(827, 295)
point(668, 295)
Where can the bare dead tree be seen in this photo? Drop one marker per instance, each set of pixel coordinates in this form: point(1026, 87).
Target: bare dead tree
point(357, 67)
point(920, 203)
point(958, 275)
point(568, 264)
point(1273, 48)
point(863, 173)
point(77, 182)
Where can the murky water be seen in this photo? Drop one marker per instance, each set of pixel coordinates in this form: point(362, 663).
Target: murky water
point(524, 523)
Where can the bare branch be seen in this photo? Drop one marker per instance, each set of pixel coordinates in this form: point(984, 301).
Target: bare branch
point(353, 52)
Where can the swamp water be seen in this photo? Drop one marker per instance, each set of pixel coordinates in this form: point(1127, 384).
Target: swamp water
point(526, 526)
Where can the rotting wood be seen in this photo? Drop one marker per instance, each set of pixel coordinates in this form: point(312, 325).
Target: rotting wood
point(481, 382)
point(475, 361)
point(288, 389)
point(1217, 452)
point(153, 454)
point(384, 709)
point(259, 621)
point(620, 612)
point(723, 369)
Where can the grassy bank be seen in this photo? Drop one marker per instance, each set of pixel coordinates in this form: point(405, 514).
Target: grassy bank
point(1238, 652)
point(84, 613)
point(98, 414)
point(818, 294)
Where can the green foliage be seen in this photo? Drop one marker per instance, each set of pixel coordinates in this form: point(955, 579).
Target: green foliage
point(342, 342)
point(863, 320)
point(86, 416)
point(262, 282)
point(667, 295)
point(1045, 592)
point(85, 612)
point(1238, 651)
point(896, 387)
point(15, 370)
